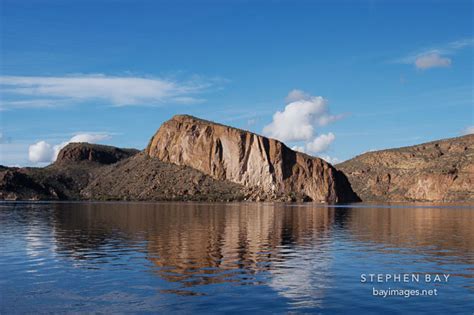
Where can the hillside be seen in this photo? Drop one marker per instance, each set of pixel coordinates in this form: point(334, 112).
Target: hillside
point(441, 170)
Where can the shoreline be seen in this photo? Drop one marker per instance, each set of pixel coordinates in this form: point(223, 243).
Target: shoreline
point(361, 204)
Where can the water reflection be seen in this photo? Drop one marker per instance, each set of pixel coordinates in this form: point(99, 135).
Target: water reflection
point(436, 231)
point(190, 242)
point(302, 253)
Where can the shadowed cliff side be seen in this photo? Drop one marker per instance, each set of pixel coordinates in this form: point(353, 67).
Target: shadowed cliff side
point(264, 165)
point(441, 170)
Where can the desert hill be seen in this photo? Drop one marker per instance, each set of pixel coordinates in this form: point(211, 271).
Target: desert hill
point(440, 170)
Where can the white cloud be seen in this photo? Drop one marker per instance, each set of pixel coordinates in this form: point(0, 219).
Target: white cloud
point(43, 152)
point(432, 60)
point(298, 122)
point(32, 91)
point(320, 143)
point(469, 130)
point(89, 137)
point(435, 56)
point(327, 119)
point(301, 115)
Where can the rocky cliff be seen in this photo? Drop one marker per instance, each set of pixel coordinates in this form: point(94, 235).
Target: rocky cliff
point(266, 166)
point(436, 171)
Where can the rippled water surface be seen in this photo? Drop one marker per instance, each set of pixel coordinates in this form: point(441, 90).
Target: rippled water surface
point(137, 257)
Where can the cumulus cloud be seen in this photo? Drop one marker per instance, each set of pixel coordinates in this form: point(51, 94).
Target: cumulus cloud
point(44, 152)
point(41, 91)
point(302, 114)
point(432, 60)
point(41, 152)
point(320, 143)
point(469, 130)
point(299, 121)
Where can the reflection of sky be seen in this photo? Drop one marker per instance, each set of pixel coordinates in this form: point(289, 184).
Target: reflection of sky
point(303, 278)
point(39, 234)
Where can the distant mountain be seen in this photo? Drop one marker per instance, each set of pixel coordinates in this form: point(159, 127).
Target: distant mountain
point(441, 170)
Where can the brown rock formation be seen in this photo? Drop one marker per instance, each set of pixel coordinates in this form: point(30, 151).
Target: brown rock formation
point(265, 165)
point(103, 154)
point(436, 171)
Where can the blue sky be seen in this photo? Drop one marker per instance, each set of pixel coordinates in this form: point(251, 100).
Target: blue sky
point(345, 76)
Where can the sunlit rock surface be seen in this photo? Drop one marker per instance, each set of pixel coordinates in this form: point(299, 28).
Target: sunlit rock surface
point(436, 171)
point(264, 165)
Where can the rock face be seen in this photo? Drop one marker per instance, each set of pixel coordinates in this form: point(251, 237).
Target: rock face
point(103, 154)
point(435, 171)
point(264, 165)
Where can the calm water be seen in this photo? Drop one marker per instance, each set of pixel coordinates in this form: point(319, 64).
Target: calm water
point(136, 257)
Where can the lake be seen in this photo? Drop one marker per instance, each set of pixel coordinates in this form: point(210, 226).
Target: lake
point(236, 257)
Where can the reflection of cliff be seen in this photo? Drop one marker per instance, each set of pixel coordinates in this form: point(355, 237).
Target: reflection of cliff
point(189, 240)
point(196, 244)
point(445, 231)
point(215, 244)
